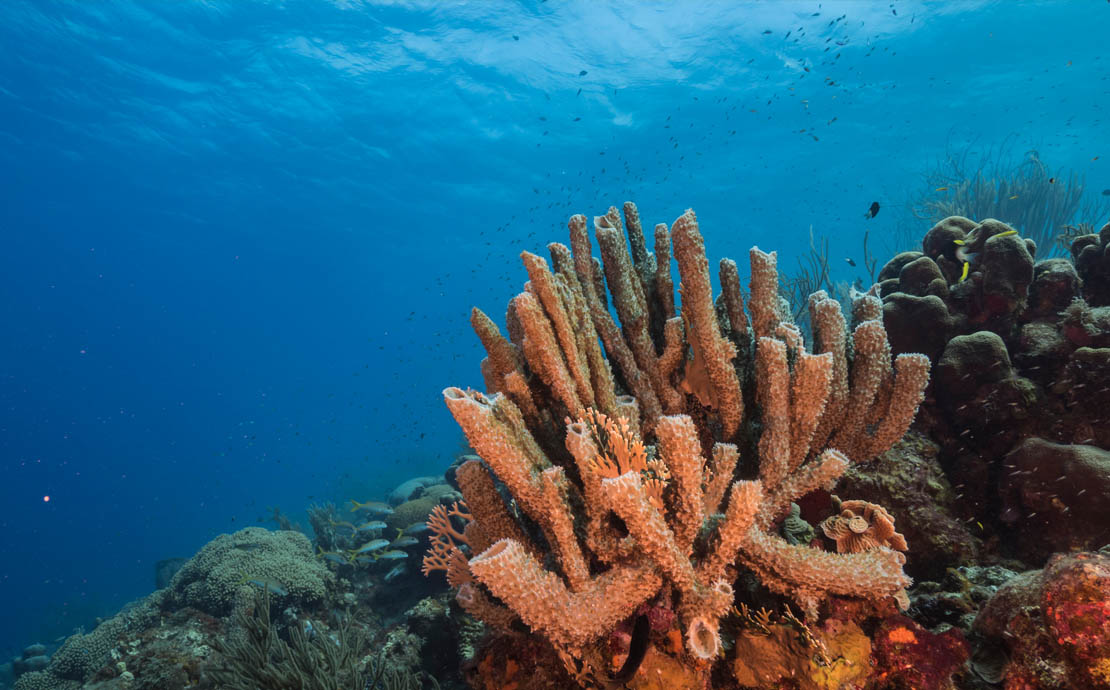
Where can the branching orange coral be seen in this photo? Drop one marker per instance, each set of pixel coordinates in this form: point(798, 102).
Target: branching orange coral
point(622, 451)
point(444, 552)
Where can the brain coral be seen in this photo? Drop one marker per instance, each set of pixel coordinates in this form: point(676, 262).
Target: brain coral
point(212, 579)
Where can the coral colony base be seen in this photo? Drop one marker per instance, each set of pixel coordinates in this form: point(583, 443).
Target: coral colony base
point(650, 504)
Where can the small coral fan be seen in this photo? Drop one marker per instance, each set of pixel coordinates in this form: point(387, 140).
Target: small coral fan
point(861, 526)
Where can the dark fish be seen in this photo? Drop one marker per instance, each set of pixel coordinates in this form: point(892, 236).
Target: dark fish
point(766, 31)
point(582, 73)
point(1106, 192)
point(850, 262)
point(873, 211)
point(1052, 180)
point(637, 650)
point(516, 38)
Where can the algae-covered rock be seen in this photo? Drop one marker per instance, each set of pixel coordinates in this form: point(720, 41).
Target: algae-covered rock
point(231, 565)
point(768, 660)
point(1054, 625)
point(907, 655)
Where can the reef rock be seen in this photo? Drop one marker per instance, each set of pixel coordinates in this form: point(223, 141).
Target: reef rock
point(1056, 497)
point(1054, 625)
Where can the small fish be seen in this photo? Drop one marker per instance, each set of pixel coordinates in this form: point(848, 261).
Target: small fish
point(371, 546)
point(393, 555)
point(342, 523)
point(1052, 180)
point(582, 73)
point(1014, 196)
point(516, 38)
point(766, 31)
point(416, 528)
point(1006, 233)
point(269, 586)
point(850, 262)
point(873, 210)
point(372, 507)
point(404, 542)
point(963, 274)
point(1106, 192)
point(334, 557)
point(372, 525)
point(396, 572)
point(941, 189)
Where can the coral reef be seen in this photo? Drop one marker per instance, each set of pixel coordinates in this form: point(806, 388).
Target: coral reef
point(1022, 353)
point(1052, 624)
point(639, 496)
point(81, 655)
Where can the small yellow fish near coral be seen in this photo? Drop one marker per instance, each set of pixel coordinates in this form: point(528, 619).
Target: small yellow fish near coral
point(941, 189)
point(961, 253)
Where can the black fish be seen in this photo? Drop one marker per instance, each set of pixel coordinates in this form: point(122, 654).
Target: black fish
point(850, 262)
point(582, 73)
point(1106, 192)
point(873, 211)
point(767, 31)
point(638, 645)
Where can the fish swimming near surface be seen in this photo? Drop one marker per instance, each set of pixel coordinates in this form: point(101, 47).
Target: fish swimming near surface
point(873, 210)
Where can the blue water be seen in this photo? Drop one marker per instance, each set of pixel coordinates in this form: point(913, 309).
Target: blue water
point(241, 240)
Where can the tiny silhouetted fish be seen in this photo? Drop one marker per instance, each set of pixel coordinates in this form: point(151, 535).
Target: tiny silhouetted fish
point(516, 38)
point(767, 31)
point(1106, 192)
point(850, 262)
point(873, 211)
point(582, 73)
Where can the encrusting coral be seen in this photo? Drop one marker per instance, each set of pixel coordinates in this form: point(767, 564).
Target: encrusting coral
point(624, 465)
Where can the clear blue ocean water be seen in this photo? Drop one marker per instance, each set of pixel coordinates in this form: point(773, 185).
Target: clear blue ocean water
point(241, 240)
